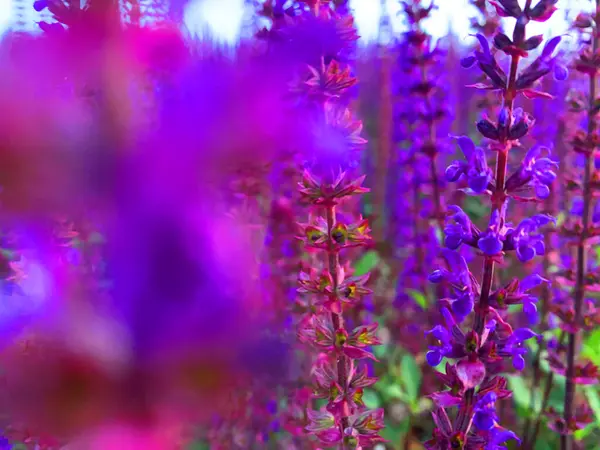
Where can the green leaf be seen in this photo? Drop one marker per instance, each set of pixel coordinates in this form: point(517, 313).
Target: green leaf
point(557, 394)
point(410, 376)
point(197, 445)
point(439, 235)
point(441, 367)
point(475, 208)
point(19, 446)
point(593, 398)
point(380, 351)
point(418, 297)
point(366, 263)
point(591, 347)
point(393, 432)
point(371, 399)
point(393, 391)
point(521, 392)
point(584, 432)
point(542, 444)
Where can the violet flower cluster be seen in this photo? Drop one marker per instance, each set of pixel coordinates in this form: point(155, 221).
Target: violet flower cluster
point(422, 121)
point(490, 346)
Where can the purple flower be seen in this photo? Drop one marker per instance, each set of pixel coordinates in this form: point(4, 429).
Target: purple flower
point(487, 63)
point(40, 5)
point(498, 436)
point(520, 125)
point(458, 276)
point(460, 280)
point(514, 346)
point(542, 65)
point(490, 241)
point(530, 310)
point(475, 168)
point(516, 292)
point(535, 171)
point(524, 238)
point(437, 352)
point(485, 412)
point(459, 229)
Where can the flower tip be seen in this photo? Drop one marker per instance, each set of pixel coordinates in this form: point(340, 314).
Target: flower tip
point(468, 62)
point(40, 5)
point(436, 276)
point(561, 73)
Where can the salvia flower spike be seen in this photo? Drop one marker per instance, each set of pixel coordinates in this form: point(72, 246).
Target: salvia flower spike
point(339, 373)
point(491, 345)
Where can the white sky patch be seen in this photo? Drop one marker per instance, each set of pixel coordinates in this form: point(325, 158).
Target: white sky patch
point(454, 15)
point(366, 18)
point(222, 19)
point(5, 15)
point(219, 19)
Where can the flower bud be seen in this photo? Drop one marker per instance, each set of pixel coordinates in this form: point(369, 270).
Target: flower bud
point(488, 129)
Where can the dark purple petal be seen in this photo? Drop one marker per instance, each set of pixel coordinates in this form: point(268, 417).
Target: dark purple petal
point(468, 62)
point(453, 241)
point(462, 306)
point(466, 145)
point(523, 334)
point(518, 362)
point(454, 171)
point(550, 47)
point(434, 358)
point(479, 183)
point(490, 244)
point(531, 281)
point(500, 435)
point(437, 276)
point(485, 46)
point(484, 421)
point(440, 333)
point(561, 73)
point(531, 312)
point(40, 5)
point(525, 253)
point(542, 191)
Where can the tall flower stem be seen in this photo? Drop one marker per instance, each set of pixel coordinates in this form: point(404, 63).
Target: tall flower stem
point(529, 440)
point(498, 200)
point(336, 318)
point(498, 197)
point(331, 297)
point(431, 147)
point(581, 264)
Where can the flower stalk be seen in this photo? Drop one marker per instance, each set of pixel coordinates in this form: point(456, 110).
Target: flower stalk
point(474, 381)
point(584, 236)
point(340, 375)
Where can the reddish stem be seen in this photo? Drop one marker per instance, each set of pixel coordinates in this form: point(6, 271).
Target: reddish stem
point(337, 319)
point(566, 441)
point(498, 199)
